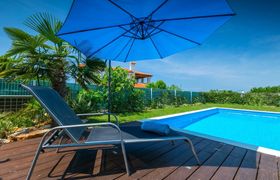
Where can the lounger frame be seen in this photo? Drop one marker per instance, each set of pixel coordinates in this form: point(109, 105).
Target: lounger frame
point(47, 141)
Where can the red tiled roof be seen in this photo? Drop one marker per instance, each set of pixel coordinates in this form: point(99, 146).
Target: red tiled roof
point(139, 85)
point(139, 74)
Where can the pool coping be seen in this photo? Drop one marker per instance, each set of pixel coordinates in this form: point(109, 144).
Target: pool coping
point(214, 138)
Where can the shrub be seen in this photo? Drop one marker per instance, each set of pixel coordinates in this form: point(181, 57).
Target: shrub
point(167, 97)
point(216, 96)
point(33, 114)
point(88, 101)
point(257, 99)
point(124, 97)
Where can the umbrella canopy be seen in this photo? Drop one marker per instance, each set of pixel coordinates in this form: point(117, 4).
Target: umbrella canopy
point(125, 30)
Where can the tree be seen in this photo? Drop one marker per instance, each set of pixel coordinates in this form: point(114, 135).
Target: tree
point(124, 97)
point(150, 85)
point(160, 84)
point(174, 87)
point(45, 56)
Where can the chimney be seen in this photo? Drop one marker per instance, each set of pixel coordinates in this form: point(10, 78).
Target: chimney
point(132, 66)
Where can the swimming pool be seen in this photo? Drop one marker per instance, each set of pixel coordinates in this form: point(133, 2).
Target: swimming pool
point(254, 130)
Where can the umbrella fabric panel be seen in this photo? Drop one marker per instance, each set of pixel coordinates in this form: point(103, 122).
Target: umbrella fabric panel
point(93, 14)
point(183, 9)
point(93, 41)
point(169, 44)
point(139, 8)
point(196, 30)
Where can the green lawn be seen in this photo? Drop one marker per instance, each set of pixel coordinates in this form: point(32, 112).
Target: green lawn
point(173, 110)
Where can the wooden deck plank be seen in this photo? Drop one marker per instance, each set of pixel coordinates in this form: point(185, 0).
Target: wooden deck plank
point(278, 167)
point(45, 164)
point(20, 144)
point(268, 168)
point(177, 161)
point(249, 166)
point(208, 168)
point(146, 163)
point(174, 162)
point(230, 166)
point(117, 169)
point(186, 169)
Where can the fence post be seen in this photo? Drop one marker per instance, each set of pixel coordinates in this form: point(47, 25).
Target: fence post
point(151, 93)
point(191, 96)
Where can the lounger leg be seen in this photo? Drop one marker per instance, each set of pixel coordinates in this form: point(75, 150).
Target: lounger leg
point(193, 150)
point(34, 162)
point(60, 142)
point(125, 159)
point(39, 149)
point(4, 160)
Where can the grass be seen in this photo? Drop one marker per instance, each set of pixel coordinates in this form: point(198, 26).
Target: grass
point(128, 117)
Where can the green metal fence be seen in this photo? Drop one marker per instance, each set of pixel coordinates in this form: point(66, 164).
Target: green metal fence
point(13, 97)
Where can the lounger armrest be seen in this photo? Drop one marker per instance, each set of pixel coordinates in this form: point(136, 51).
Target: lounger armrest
point(100, 114)
point(75, 126)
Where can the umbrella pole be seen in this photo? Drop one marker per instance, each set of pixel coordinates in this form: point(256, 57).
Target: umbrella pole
point(109, 91)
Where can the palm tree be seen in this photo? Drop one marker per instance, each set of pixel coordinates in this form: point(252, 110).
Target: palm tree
point(27, 61)
point(45, 56)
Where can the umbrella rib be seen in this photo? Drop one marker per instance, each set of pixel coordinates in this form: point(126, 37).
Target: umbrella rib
point(129, 50)
point(92, 29)
point(155, 47)
point(131, 46)
point(195, 17)
point(155, 10)
point(123, 48)
point(131, 32)
point(107, 44)
point(192, 41)
point(155, 33)
point(149, 34)
point(121, 8)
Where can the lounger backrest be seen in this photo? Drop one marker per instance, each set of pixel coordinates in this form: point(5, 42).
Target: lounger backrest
point(57, 109)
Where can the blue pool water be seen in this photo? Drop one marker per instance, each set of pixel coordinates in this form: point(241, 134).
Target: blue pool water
point(246, 127)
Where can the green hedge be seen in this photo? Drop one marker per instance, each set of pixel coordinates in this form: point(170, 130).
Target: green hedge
point(231, 97)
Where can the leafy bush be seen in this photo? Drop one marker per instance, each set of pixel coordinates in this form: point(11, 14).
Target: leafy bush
point(88, 101)
point(33, 114)
point(167, 97)
point(124, 97)
point(260, 99)
point(231, 97)
point(268, 89)
point(221, 97)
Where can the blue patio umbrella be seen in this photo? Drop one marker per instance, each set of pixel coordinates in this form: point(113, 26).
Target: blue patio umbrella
point(126, 30)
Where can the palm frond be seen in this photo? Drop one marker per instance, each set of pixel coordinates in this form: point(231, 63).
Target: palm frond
point(45, 24)
point(30, 45)
point(17, 34)
point(95, 64)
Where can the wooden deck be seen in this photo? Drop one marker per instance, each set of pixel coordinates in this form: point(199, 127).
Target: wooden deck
point(148, 161)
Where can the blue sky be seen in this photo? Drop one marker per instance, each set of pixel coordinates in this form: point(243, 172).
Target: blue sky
point(243, 53)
